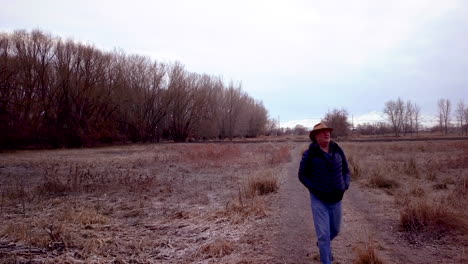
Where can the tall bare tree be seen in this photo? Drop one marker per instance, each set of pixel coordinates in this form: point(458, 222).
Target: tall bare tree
point(256, 118)
point(444, 114)
point(466, 121)
point(338, 119)
point(63, 93)
point(232, 107)
point(416, 117)
point(395, 113)
point(460, 112)
point(408, 122)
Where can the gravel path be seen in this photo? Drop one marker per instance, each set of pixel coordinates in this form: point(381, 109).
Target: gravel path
point(370, 216)
point(296, 236)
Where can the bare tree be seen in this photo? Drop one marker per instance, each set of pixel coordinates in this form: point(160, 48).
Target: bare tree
point(300, 130)
point(272, 127)
point(395, 113)
point(257, 118)
point(416, 117)
point(444, 114)
point(63, 93)
point(460, 112)
point(466, 121)
point(377, 128)
point(232, 107)
point(181, 89)
point(211, 91)
point(338, 119)
point(408, 118)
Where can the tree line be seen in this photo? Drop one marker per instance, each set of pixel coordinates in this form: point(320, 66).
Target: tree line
point(56, 92)
point(403, 118)
point(406, 117)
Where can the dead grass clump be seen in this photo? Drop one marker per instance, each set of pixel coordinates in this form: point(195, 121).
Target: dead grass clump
point(242, 208)
point(55, 233)
point(84, 216)
point(217, 249)
point(81, 178)
point(431, 175)
point(431, 220)
point(411, 168)
point(136, 184)
point(95, 245)
point(38, 234)
point(367, 255)
point(448, 180)
point(134, 213)
point(402, 197)
point(263, 183)
point(51, 183)
point(16, 231)
point(458, 197)
point(13, 190)
point(355, 168)
point(378, 180)
point(440, 186)
point(78, 178)
point(280, 155)
point(213, 152)
point(417, 191)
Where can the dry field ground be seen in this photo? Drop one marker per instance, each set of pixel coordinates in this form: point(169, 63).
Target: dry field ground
point(411, 199)
point(168, 203)
point(229, 203)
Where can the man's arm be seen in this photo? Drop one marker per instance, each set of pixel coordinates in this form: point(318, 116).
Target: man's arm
point(304, 170)
point(345, 170)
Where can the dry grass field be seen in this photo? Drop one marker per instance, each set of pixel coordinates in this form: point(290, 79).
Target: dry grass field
point(168, 203)
point(419, 194)
point(220, 203)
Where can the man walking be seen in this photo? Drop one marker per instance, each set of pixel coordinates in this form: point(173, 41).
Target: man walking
point(324, 171)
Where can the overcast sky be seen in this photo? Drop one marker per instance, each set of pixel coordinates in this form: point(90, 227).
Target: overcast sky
point(301, 58)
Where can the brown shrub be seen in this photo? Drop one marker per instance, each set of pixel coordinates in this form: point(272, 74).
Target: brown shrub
point(280, 155)
point(430, 219)
point(217, 249)
point(212, 152)
point(458, 197)
point(417, 191)
point(241, 208)
point(355, 168)
point(263, 183)
point(13, 190)
point(378, 180)
point(411, 168)
point(431, 175)
point(448, 180)
point(83, 215)
point(51, 183)
point(136, 184)
point(367, 255)
point(40, 234)
point(440, 186)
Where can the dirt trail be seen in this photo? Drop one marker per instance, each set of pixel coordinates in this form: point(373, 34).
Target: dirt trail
point(295, 242)
point(366, 218)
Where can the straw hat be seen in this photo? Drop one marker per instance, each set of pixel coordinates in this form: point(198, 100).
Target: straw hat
point(317, 128)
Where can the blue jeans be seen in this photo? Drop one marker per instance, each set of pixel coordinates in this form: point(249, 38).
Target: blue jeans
point(327, 220)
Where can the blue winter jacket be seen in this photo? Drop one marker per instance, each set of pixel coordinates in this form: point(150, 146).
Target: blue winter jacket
point(326, 175)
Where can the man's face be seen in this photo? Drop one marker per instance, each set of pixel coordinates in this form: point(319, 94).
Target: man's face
point(323, 137)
